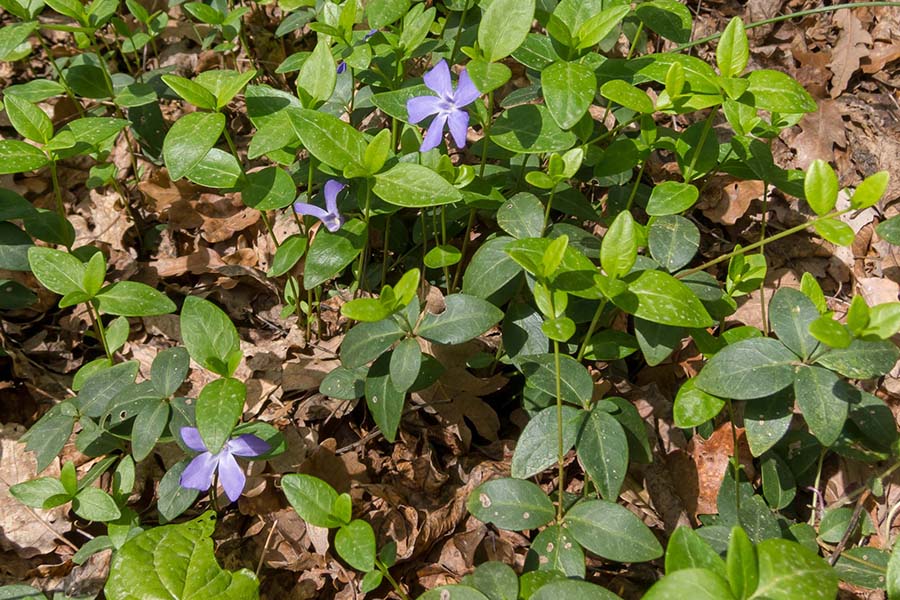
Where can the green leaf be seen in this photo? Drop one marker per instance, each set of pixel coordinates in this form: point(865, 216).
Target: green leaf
point(268, 189)
point(835, 231)
point(497, 580)
point(748, 369)
point(658, 297)
point(554, 550)
point(355, 543)
point(618, 251)
point(331, 252)
point(414, 186)
point(317, 76)
point(224, 84)
point(788, 571)
point(599, 25)
point(696, 584)
point(193, 92)
point(864, 566)
point(176, 562)
point(169, 369)
point(14, 295)
point(560, 329)
point(189, 140)
point(611, 344)
point(790, 315)
point(767, 420)
point(442, 256)
point(513, 504)
point(20, 592)
point(530, 129)
point(59, 272)
point(384, 12)
point(537, 447)
point(454, 592)
point(149, 425)
point(693, 406)
point(14, 35)
point(861, 360)
point(890, 230)
point(776, 92)
point(504, 25)
point(522, 216)
point(384, 399)
point(368, 310)
point(406, 359)
point(367, 341)
point(29, 120)
point(741, 564)
point(668, 18)
point(572, 588)
point(47, 437)
point(673, 241)
point(94, 504)
point(487, 76)
point(209, 336)
point(312, 498)
point(602, 449)
point(98, 391)
point(19, 157)
point(40, 493)
point(465, 318)
point(687, 550)
point(174, 499)
point(778, 482)
point(733, 51)
point(205, 13)
point(576, 384)
point(330, 140)
point(133, 299)
point(219, 408)
point(820, 186)
point(623, 93)
point(824, 400)
point(218, 169)
point(671, 198)
point(611, 531)
point(287, 255)
point(893, 573)
point(870, 191)
point(490, 269)
point(569, 89)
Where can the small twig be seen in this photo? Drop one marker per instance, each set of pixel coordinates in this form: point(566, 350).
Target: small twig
point(854, 520)
point(262, 554)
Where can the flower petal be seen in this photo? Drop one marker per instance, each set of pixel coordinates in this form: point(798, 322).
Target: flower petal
point(422, 107)
point(459, 126)
point(191, 438)
point(247, 445)
point(438, 79)
point(332, 189)
point(305, 208)
point(231, 476)
point(333, 222)
point(466, 92)
point(435, 133)
point(198, 475)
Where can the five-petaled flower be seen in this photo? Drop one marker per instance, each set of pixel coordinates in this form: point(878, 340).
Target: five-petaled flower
point(198, 475)
point(331, 218)
point(447, 106)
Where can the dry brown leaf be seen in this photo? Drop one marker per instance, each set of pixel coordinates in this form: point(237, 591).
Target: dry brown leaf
point(28, 531)
point(821, 132)
point(852, 45)
point(711, 458)
point(727, 199)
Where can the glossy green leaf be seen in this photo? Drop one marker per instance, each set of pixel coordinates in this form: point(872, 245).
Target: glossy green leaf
point(835, 231)
point(673, 241)
point(788, 571)
point(790, 315)
point(696, 584)
point(367, 341)
point(538, 446)
point(602, 449)
point(209, 336)
point(189, 140)
point(687, 550)
point(57, 271)
point(149, 425)
point(268, 189)
point(861, 360)
point(618, 251)
point(669, 18)
point(623, 93)
point(29, 120)
point(169, 369)
point(330, 140)
point(355, 543)
point(19, 157)
point(414, 186)
point(218, 169)
point(733, 51)
point(406, 359)
point(287, 255)
point(748, 369)
point(672, 197)
point(504, 25)
point(612, 532)
point(318, 75)
point(870, 191)
point(465, 318)
point(824, 400)
point(176, 562)
point(174, 499)
point(555, 550)
point(100, 389)
point(219, 408)
point(514, 504)
point(658, 297)
point(312, 498)
point(530, 129)
point(569, 89)
point(777, 92)
point(384, 399)
point(693, 406)
point(193, 92)
point(133, 299)
point(575, 382)
point(821, 187)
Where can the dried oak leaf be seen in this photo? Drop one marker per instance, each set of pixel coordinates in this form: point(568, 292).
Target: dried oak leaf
point(852, 45)
point(27, 531)
point(821, 132)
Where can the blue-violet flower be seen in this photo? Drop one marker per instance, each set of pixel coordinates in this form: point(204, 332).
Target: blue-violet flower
point(447, 106)
point(198, 475)
point(331, 218)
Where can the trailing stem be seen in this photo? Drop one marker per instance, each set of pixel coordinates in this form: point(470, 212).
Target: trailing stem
point(560, 449)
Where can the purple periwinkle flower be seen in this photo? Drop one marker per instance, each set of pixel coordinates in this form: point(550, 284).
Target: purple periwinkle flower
point(341, 67)
point(370, 34)
point(447, 106)
point(199, 473)
point(331, 218)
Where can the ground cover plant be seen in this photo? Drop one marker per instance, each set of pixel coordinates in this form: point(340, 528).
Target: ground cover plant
point(454, 299)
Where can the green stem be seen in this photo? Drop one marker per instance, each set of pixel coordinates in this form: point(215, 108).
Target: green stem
point(591, 328)
point(462, 20)
point(100, 330)
point(634, 41)
point(637, 183)
point(707, 125)
point(547, 210)
point(447, 281)
point(386, 252)
point(465, 246)
point(487, 133)
point(59, 74)
point(735, 460)
point(761, 243)
point(387, 575)
point(231, 145)
point(57, 191)
point(762, 252)
point(361, 278)
point(796, 15)
point(560, 449)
